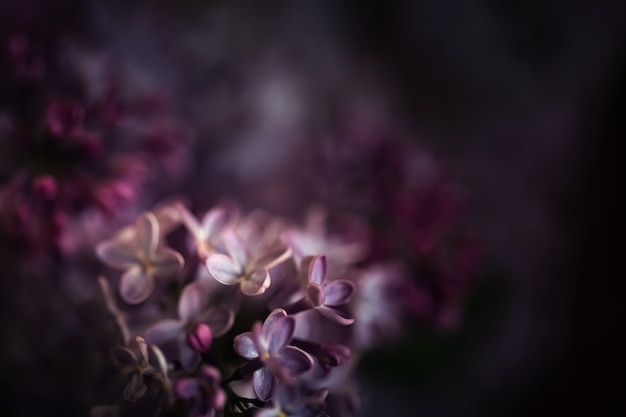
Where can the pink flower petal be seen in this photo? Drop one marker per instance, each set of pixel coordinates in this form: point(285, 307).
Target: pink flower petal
point(167, 262)
point(256, 282)
point(220, 319)
point(136, 286)
point(191, 303)
point(335, 315)
point(236, 248)
point(338, 292)
point(317, 270)
point(296, 360)
point(244, 344)
point(164, 331)
point(315, 294)
point(223, 269)
point(279, 334)
point(263, 383)
point(147, 234)
point(116, 254)
point(216, 220)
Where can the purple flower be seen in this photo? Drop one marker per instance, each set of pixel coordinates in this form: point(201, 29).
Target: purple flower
point(205, 392)
point(135, 364)
point(189, 330)
point(139, 254)
point(244, 267)
point(326, 296)
point(269, 343)
point(207, 232)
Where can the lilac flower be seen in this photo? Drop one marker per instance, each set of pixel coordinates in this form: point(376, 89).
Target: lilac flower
point(313, 240)
point(242, 266)
point(205, 392)
point(326, 296)
point(195, 327)
point(136, 366)
point(141, 257)
point(207, 232)
point(269, 344)
point(292, 402)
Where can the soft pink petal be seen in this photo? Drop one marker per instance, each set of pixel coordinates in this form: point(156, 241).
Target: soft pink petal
point(338, 292)
point(276, 314)
point(167, 262)
point(279, 334)
point(315, 294)
point(216, 220)
point(164, 331)
point(317, 270)
point(191, 302)
point(116, 254)
point(147, 233)
point(223, 269)
point(236, 248)
point(263, 383)
point(136, 286)
point(256, 282)
point(220, 319)
point(335, 315)
point(296, 360)
point(244, 344)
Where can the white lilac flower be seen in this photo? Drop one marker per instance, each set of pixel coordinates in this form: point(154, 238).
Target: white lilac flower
point(243, 266)
point(325, 295)
point(205, 392)
point(135, 365)
point(269, 345)
point(142, 258)
point(195, 327)
point(206, 233)
point(313, 240)
point(290, 401)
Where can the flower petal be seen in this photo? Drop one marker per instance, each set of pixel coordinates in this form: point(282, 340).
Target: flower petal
point(263, 383)
point(245, 345)
point(317, 270)
point(315, 294)
point(220, 319)
point(338, 292)
point(167, 262)
point(135, 388)
point(275, 315)
point(116, 254)
point(136, 286)
point(164, 331)
point(143, 350)
point(279, 334)
point(216, 220)
point(223, 269)
point(147, 234)
point(188, 388)
point(296, 360)
point(188, 358)
point(335, 315)
point(123, 357)
point(236, 248)
point(256, 282)
point(191, 302)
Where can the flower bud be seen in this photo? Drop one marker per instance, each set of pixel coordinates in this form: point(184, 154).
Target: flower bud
point(200, 338)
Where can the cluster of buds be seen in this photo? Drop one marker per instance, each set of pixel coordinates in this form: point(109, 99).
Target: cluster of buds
point(261, 317)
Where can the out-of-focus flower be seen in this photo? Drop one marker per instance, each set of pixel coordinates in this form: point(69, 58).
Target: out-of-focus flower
point(205, 392)
point(292, 402)
point(141, 257)
point(326, 296)
point(269, 344)
point(313, 240)
point(189, 330)
point(241, 266)
point(136, 366)
point(206, 233)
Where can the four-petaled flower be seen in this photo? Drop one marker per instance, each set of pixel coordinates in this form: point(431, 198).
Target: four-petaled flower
point(137, 367)
point(204, 391)
point(241, 266)
point(326, 296)
point(269, 344)
point(207, 232)
point(195, 328)
point(141, 257)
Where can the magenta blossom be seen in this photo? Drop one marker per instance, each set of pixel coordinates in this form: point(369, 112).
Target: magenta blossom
point(269, 344)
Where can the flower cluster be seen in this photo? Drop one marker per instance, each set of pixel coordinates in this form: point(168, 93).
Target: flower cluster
point(265, 318)
point(67, 147)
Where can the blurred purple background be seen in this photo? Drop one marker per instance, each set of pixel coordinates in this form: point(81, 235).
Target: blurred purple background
point(520, 103)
